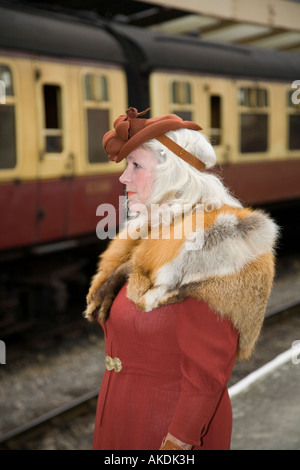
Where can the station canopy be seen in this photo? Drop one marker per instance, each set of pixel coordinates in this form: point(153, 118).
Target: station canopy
point(269, 24)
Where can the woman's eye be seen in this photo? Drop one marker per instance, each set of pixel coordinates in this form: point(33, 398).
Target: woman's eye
point(136, 165)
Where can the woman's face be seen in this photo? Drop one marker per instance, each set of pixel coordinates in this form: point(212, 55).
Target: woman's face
point(138, 177)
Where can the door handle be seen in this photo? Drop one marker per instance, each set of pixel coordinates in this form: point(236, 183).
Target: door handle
point(70, 164)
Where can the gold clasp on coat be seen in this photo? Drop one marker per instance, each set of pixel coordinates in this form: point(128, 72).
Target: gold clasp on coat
point(113, 363)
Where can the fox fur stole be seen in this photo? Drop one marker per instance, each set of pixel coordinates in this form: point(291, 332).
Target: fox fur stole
point(226, 261)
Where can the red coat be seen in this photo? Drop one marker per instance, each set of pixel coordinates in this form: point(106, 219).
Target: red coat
point(176, 361)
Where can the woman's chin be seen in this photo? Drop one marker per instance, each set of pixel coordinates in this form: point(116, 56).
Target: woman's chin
point(136, 206)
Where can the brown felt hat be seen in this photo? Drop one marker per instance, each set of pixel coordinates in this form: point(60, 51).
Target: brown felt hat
point(131, 131)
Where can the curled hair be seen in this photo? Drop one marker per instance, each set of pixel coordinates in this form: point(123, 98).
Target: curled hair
point(178, 183)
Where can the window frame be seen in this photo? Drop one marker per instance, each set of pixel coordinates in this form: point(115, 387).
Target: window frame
point(87, 104)
point(13, 100)
point(216, 131)
point(185, 107)
point(117, 105)
point(53, 132)
point(254, 108)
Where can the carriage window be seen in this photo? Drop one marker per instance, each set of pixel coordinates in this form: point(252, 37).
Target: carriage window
point(7, 137)
point(53, 132)
point(181, 93)
point(97, 115)
point(254, 132)
point(254, 119)
point(215, 120)
point(97, 125)
point(293, 122)
point(181, 100)
point(253, 97)
point(185, 115)
point(96, 88)
point(8, 151)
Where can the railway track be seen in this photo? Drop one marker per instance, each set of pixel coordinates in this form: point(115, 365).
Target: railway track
point(18, 437)
point(281, 326)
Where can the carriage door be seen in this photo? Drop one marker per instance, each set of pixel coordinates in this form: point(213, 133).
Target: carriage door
point(55, 170)
point(218, 130)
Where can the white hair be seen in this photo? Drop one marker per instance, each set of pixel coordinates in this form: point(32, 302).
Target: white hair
point(178, 187)
point(177, 182)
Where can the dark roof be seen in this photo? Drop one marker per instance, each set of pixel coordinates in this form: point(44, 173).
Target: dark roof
point(57, 35)
point(95, 38)
point(193, 54)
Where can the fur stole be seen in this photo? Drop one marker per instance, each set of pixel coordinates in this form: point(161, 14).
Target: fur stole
point(226, 260)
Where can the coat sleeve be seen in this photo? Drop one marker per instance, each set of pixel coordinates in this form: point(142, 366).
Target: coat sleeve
point(208, 345)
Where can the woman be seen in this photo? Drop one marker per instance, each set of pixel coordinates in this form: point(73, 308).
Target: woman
point(180, 293)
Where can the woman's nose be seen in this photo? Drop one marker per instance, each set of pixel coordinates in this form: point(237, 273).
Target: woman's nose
point(125, 177)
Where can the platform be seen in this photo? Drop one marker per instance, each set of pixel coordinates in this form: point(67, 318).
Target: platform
point(286, 290)
point(266, 415)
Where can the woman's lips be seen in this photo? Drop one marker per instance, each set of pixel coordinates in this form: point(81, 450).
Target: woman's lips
point(130, 193)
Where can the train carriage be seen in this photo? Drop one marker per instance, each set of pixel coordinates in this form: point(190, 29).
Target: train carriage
point(64, 82)
point(247, 101)
point(66, 78)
